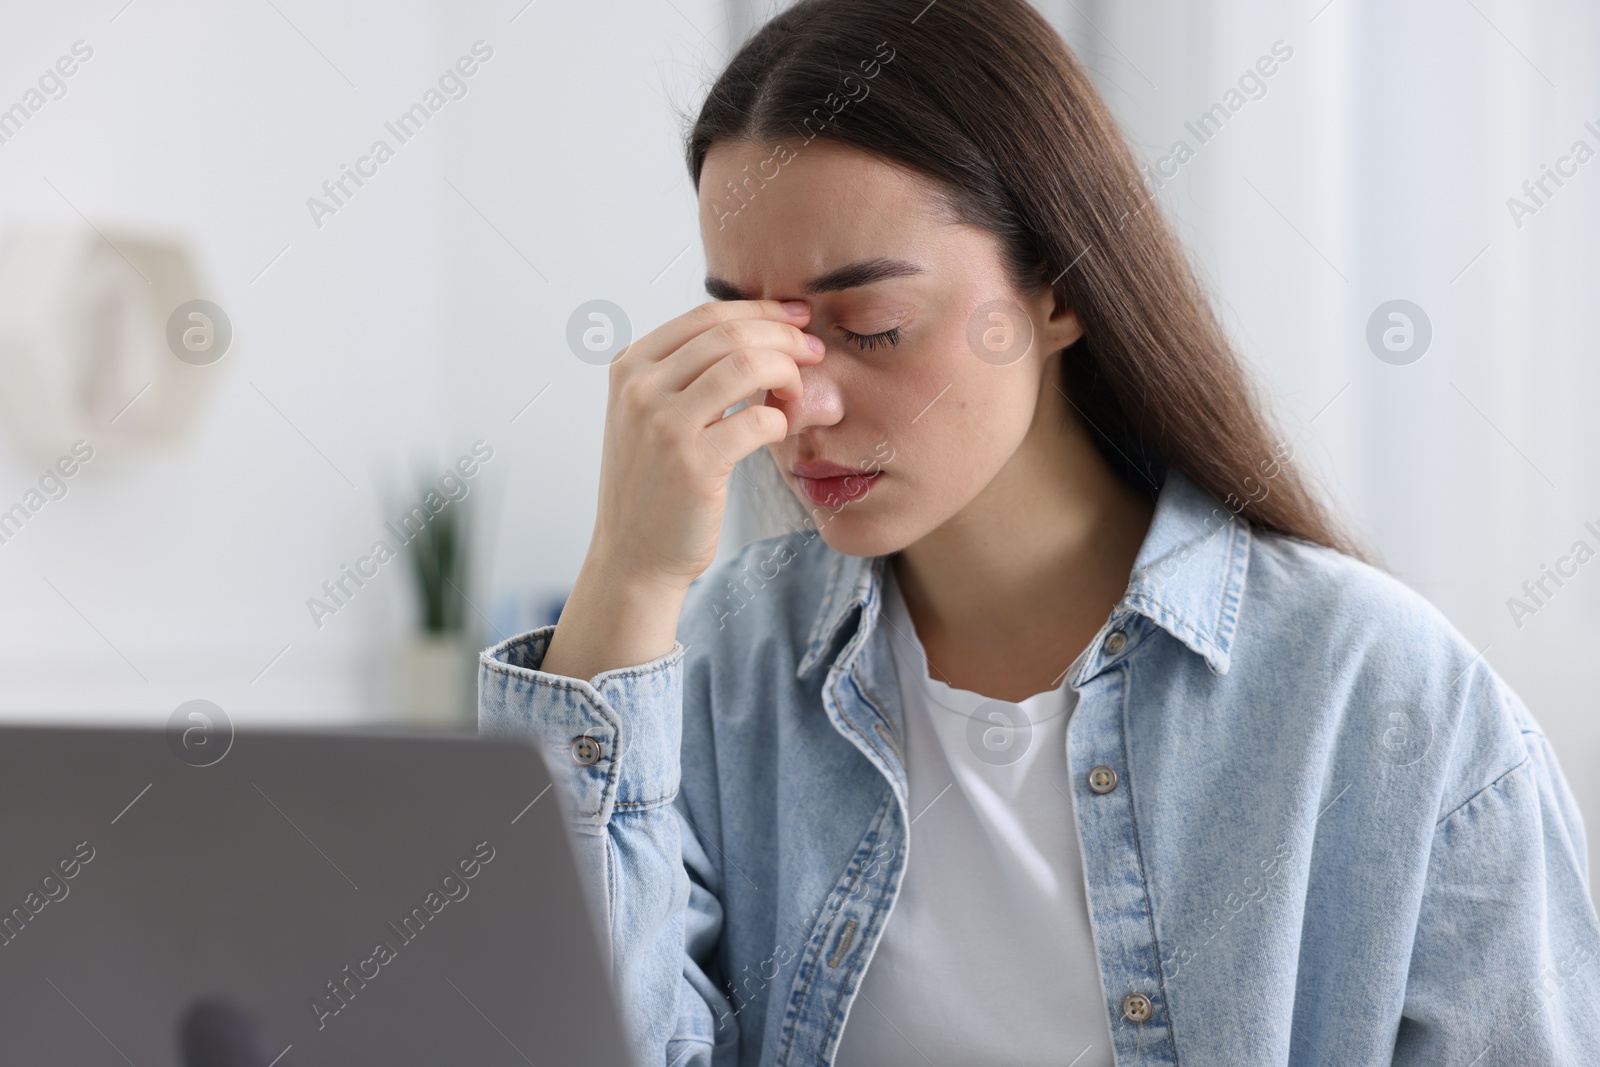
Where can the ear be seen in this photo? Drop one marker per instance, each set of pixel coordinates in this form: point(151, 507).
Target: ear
point(1058, 323)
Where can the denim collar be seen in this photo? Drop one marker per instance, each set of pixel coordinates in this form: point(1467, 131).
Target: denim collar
point(1188, 579)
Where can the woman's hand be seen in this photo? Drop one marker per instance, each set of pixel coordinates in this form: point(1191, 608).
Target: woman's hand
point(668, 453)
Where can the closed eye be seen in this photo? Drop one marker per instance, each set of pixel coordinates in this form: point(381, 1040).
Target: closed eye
point(869, 341)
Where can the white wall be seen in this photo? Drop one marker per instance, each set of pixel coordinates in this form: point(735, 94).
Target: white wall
point(401, 330)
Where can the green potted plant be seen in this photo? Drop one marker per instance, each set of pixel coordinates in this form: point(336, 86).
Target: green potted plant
point(437, 672)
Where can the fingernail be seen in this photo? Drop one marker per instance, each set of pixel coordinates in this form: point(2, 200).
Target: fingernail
point(795, 307)
point(816, 343)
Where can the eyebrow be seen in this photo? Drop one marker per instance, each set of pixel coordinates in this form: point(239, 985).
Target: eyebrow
point(850, 276)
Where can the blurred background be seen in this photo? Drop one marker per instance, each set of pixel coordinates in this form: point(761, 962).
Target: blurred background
point(363, 341)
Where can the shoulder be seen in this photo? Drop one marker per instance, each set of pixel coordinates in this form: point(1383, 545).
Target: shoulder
point(1304, 588)
point(1342, 588)
point(1382, 647)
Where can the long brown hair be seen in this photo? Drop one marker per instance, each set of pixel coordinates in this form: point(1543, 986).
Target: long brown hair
point(984, 97)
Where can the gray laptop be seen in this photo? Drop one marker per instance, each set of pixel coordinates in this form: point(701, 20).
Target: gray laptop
point(291, 899)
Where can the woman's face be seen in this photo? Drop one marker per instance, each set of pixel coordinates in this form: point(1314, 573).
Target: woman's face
point(934, 362)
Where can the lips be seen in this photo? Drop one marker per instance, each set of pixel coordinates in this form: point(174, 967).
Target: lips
point(833, 485)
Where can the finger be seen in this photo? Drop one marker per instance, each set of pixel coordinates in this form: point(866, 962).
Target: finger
point(737, 376)
point(700, 353)
point(746, 430)
point(675, 333)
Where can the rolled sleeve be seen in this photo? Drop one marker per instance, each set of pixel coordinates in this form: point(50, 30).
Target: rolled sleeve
point(612, 745)
point(628, 721)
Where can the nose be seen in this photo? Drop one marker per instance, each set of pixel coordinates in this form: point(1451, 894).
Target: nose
point(821, 400)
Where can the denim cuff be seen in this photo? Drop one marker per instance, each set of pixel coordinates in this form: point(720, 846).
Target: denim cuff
point(611, 743)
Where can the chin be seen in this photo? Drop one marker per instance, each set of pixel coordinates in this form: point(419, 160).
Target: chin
point(858, 533)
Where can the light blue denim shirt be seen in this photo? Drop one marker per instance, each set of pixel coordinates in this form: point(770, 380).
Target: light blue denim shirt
point(1316, 827)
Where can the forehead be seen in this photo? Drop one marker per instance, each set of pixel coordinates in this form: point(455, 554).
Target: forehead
point(773, 214)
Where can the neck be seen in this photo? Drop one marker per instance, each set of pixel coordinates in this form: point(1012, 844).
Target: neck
point(1009, 590)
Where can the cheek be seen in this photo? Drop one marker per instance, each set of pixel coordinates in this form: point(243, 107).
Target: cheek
point(959, 427)
point(918, 417)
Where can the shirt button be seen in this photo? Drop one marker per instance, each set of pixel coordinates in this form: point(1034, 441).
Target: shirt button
point(1102, 779)
point(585, 751)
point(1136, 1007)
point(1116, 642)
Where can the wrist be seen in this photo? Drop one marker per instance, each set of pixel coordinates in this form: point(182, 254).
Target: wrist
point(618, 575)
point(613, 620)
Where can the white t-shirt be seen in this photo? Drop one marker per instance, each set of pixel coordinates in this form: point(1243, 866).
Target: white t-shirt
point(988, 956)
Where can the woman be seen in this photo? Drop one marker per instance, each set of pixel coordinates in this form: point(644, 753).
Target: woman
point(1069, 728)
